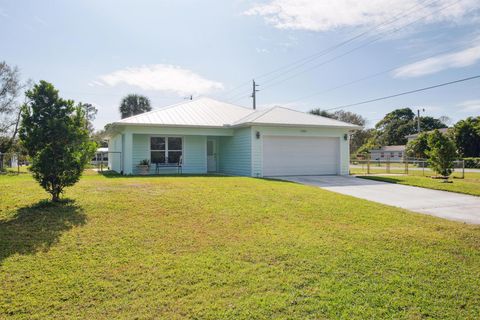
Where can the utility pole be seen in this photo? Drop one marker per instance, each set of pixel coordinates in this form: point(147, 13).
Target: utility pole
point(418, 119)
point(254, 94)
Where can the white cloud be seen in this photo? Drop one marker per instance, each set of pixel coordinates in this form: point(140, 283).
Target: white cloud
point(463, 58)
point(470, 106)
point(325, 15)
point(262, 50)
point(160, 77)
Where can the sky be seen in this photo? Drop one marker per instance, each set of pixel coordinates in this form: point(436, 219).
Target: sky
point(304, 54)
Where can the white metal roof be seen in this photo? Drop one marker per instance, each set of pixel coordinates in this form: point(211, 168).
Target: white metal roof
point(212, 113)
point(199, 112)
point(390, 148)
point(288, 117)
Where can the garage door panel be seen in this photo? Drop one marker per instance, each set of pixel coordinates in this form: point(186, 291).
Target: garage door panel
point(300, 155)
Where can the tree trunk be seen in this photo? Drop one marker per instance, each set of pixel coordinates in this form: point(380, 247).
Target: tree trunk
point(55, 196)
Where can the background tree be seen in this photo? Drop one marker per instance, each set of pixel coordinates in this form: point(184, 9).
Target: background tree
point(466, 134)
point(430, 123)
point(90, 114)
point(99, 137)
point(134, 104)
point(441, 153)
point(370, 144)
point(10, 89)
point(395, 126)
point(418, 147)
point(320, 112)
point(359, 137)
point(55, 136)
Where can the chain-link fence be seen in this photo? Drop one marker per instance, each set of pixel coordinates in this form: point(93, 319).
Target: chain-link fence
point(107, 160)
point(12, 162)
point(403, 166)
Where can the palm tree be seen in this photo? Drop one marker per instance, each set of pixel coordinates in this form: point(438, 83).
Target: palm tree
point(134, 104)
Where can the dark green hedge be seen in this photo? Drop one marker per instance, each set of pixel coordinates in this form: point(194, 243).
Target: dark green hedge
point(472, 162)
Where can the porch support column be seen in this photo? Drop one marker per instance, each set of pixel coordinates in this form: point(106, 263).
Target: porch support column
point(128, 153)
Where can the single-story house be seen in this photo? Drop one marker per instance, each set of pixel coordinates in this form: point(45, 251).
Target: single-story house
point(388, 153)
point(101, 156)
point(208, 136)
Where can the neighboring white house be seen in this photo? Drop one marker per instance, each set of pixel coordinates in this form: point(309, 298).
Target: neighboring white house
point(395, 152)
point(388, 153)
point(207, 135)
point(101, 156)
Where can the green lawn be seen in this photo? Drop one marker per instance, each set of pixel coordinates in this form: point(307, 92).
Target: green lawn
point(469, 185)
point(227, 247)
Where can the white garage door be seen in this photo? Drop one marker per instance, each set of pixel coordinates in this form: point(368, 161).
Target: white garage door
point(300, 156)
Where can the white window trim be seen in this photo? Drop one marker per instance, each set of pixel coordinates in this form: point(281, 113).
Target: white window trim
point(166, 146)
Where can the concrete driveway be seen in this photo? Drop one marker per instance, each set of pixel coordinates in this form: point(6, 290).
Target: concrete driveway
point(443, 204)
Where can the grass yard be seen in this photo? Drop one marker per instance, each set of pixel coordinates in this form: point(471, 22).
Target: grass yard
point(469, 185)
point(227, 247)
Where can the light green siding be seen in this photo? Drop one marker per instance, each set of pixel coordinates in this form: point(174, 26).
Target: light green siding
point(257, 144)
point(235, 153)
point(194, 154)
point(140, 151)
point(114, 157)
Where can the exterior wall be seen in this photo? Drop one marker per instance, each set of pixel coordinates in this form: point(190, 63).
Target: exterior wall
point(194, 154)
point(114, 159)
point(235, 156)
point(257, 144)
point(134, 142)
point(239, 151)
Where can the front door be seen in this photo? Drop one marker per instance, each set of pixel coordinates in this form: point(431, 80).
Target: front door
point(211, 155)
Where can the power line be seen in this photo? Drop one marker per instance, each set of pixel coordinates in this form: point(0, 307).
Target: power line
point(404, 93)
point(345, 84)
point(299, 63)
point(357, 48)
point(405, 14)
point(296, 64)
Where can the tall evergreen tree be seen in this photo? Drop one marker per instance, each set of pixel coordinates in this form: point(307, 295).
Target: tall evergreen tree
point(441, 153)
point(466, 134)
point(55, 135)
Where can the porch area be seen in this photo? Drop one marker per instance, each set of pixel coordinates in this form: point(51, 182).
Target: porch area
point(172, 154)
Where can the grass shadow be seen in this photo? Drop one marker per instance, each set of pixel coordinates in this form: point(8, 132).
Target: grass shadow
point(36, 228)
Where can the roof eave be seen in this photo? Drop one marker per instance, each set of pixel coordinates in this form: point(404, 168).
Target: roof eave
point(168, 125)
point(248, 124)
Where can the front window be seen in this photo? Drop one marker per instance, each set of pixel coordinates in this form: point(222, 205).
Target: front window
point(174, 149)
point(165, 149)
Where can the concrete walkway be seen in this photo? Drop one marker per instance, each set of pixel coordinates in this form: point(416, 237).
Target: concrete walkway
point(443, 204)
